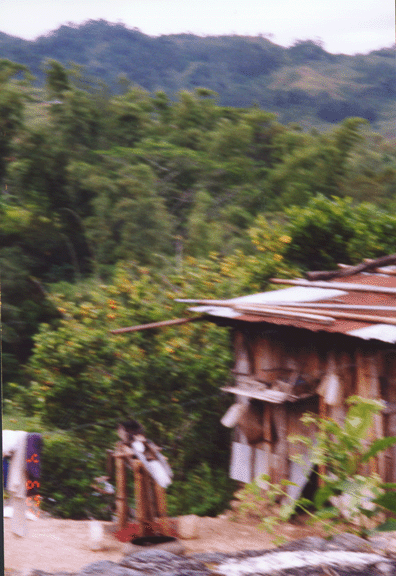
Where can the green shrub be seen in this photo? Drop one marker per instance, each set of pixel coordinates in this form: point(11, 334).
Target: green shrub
point(68, 472)
point(205, 492)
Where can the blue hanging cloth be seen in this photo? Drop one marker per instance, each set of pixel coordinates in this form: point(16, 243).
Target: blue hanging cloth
point(5, 472)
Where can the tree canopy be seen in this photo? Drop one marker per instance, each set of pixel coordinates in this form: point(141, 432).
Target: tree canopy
point(112, 206)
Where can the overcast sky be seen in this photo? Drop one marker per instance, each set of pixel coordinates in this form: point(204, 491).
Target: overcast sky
point(347, 26)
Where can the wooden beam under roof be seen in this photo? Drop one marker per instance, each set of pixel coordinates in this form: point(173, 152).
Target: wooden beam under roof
point(332, 314)
point(162, 324)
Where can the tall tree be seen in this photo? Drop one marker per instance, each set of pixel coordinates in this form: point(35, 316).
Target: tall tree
point(12, 99)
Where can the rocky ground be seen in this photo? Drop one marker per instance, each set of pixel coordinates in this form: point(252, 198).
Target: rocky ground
point(345, 555)
point(56, 545)
point(222, 547)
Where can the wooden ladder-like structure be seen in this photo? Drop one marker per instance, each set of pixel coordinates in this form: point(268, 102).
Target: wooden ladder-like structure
point(150, 497)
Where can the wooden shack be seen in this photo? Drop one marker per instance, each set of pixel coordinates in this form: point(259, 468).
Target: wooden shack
point(303, 348)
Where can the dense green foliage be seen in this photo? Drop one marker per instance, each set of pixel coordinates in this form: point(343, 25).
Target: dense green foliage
point(113, 206)
point(68, 472)
point(303, 83)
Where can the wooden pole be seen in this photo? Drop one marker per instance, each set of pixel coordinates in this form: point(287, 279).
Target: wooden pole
point(364, 389)
point(351, 270)
point(281, 447)
point(267, 433)
point(150, 500)
point(161, 510)
point(140, 494)
point(161, 324)
point(121, 492)
point(322, 414)
point(389, 372)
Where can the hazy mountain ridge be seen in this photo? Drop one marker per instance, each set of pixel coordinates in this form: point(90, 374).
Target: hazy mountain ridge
point(303, 83)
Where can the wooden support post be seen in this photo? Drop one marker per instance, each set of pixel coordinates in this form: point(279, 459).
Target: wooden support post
point(242, 356)
point(143, 512)
point(150, 500)
point(322, 414)
point(389, 371)
point(267, 435)
point(379, 464)
point(381, 457)
point(121, 492)
point(366, 388)
point(150, 497)
point(109, 463)
point(281, 449)
point(391, 471)
point(345, 364)
point(161, 510)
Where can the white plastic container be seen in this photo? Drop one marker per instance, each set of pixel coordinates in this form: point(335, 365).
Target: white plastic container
point(188, 526)
point(96, 535)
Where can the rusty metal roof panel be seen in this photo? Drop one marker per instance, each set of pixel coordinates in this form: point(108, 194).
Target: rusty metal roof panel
point(294, 294)
point(276, 297)
point(343, 327)
point(299, 295)
point(384, 280)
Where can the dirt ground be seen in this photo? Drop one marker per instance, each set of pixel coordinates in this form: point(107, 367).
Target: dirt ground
point(55, 545)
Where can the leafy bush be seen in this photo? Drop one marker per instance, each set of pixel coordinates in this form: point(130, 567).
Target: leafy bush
point(331, 230)
point(68, 472)
point(320, 232)
point(84, 380)
point(205, 492)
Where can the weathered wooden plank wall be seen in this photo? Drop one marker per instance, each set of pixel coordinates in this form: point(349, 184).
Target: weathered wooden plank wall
point(360, 370)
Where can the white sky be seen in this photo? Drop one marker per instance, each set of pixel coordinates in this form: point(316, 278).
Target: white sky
point(347, 26)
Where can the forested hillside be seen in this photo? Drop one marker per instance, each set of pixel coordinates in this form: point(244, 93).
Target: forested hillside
point(303, 83)
point(111, 207)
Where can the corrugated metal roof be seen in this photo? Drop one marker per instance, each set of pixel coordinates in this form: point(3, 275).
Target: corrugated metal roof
point(360, 325)
point(296, 294)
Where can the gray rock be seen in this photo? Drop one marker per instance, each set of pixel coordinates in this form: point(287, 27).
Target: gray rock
point(328, 571)
point(175, 547)
point(186, 572)
point(158, 562)
point(210, 557)
point(379, 543)
point(308, 543)
point(384, 542)
point(107, 568)
point(386, 568)
point(42, 573)
point(148, 555)
point(155, 562)
point(349, 542)
point(249, 554)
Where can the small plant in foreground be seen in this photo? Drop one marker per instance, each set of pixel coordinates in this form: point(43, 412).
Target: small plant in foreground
point(345, 496)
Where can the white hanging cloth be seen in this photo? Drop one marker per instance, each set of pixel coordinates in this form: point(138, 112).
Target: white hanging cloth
point(330, 387)
point(14, 446)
